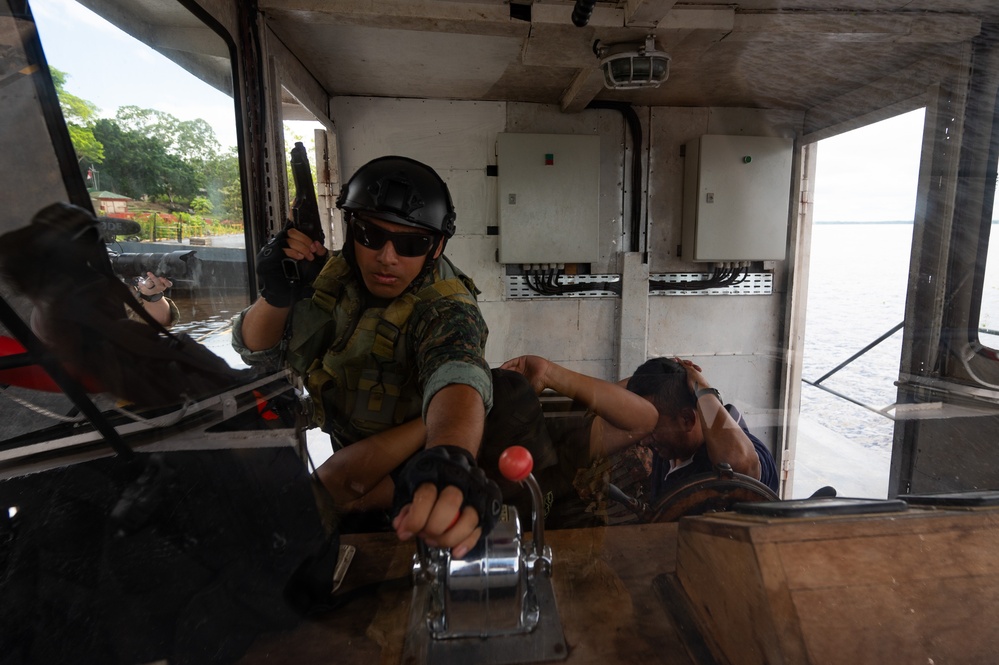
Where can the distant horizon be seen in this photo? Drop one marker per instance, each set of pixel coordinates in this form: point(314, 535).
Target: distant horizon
point(831, 221)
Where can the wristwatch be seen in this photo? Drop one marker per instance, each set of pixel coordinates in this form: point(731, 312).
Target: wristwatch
point(153, 298)
point(698, 394)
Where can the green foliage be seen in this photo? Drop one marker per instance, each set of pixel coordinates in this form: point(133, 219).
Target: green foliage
point(201, 205)
point(139, 166)
point(80, 116)
point(162, 226)
point(147, 154)
point(223, 185)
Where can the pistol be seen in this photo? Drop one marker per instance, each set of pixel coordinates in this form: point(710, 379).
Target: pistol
point(305, 208)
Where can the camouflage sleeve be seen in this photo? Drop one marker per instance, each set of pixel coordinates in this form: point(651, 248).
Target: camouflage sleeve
point(271, 357)
point(174, 313)
point(449, 342)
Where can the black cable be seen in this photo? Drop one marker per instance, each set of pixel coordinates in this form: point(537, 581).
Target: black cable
point(547, 284)
point(551, 281)
point(635, 129)
point(721, 277)
point(581, 12)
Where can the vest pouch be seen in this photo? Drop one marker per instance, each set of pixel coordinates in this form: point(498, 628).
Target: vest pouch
point(310, 336)
point(332, 399)
point(377, 398)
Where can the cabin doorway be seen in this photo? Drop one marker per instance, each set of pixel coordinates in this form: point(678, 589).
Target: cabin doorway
point(862, 219)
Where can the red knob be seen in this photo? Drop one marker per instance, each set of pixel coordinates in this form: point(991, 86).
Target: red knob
point(516, 463)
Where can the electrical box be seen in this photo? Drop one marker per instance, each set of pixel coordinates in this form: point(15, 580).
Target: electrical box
point(548, 197)
point(736, 197)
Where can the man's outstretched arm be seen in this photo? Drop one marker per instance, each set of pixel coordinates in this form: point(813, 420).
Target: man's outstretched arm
point(623, 418)
point(455, 418)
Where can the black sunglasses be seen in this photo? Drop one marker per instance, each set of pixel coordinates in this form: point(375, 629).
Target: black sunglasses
point(373, 236)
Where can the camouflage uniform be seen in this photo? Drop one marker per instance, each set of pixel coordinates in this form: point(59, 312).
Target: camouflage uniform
point(174, 313)
point(444, 340)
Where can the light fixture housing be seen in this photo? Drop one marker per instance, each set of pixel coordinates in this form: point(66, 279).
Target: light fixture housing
point(628, 66)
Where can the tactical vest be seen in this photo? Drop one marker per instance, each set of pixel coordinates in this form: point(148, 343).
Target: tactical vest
point(355, 363)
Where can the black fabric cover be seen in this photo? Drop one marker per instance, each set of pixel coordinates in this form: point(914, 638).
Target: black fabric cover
point(184, 556)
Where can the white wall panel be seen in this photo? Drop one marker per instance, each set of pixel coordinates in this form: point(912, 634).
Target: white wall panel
point(735, 338)
point(443, 134)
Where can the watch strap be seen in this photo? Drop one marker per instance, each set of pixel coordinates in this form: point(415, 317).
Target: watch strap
point(698, 394)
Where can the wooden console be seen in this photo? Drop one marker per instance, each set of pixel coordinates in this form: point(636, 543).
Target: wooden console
point(916, 586)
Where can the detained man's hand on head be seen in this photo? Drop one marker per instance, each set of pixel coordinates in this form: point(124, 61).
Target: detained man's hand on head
point(695, 380)
point(534, 368)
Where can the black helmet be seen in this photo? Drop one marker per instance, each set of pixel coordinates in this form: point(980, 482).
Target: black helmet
point(400, 190)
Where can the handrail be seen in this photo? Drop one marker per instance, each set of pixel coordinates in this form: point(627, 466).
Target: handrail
point(817, 382)
point(883, 411)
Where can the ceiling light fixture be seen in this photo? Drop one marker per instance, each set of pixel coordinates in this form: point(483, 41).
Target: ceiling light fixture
point(629, 65)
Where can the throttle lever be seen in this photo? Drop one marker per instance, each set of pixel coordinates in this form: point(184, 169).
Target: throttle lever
point(516, 464)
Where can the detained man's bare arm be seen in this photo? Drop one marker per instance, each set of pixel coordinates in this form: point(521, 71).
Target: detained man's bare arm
point(623, 418)
point(725, 440)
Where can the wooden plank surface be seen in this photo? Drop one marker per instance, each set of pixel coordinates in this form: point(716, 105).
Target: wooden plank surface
point(919, 586)
point(603, 586)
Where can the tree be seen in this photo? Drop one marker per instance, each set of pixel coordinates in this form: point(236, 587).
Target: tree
point(141, 165)
point(147, 153)
point(201, 206)
point(223, 185)
point(191, 140)
point(80, 116)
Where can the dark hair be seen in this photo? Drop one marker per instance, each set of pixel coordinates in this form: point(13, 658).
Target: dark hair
point(664, 381)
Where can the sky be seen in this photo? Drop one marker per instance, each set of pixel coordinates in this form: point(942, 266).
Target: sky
point(865, 175)
point(111, 69)
point(870, 174)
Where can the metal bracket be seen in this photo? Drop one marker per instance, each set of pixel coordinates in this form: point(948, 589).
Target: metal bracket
point(495, 607)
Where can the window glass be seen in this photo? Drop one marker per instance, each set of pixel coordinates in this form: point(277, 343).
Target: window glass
point(151, 149)
point(156, 146)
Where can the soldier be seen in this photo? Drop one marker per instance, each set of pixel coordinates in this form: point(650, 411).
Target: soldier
point(390, 344)
point(150, 293)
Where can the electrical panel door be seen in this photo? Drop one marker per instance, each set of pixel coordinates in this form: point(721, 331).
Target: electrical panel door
point(736, 198)
point(548, 197)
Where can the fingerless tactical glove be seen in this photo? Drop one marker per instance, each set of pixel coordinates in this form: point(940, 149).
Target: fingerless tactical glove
point(281, 278)
point(442, 466)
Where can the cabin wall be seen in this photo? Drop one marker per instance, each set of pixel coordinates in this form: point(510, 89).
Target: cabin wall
point(949, 456)
point(736, 339)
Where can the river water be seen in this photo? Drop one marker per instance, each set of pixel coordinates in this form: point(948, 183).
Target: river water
point(856, 294)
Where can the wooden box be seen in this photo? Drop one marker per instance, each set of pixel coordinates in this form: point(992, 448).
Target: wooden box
point(919, 586)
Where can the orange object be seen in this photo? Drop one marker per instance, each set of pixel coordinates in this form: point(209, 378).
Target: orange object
point(34, 376)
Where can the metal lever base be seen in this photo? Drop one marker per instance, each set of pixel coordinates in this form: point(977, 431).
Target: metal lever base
point(496, 606)
point(545, 643)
